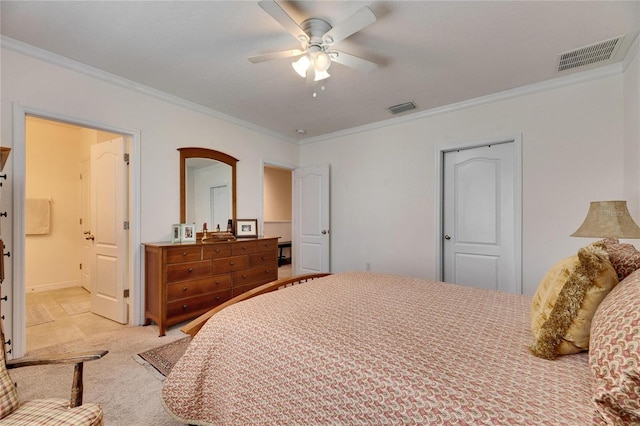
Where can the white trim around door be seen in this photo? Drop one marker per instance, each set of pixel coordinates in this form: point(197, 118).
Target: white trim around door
point(439, 202)
point(134, 275)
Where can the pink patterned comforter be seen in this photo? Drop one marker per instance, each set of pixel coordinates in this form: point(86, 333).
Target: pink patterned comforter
point(365, 348)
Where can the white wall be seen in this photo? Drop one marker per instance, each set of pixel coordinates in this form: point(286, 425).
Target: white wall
point(576, 140)
point(54, 154)
point(632, 131)
point(163, 127)
point(383, 180)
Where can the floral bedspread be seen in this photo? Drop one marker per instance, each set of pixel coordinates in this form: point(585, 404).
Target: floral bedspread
point(364, 348)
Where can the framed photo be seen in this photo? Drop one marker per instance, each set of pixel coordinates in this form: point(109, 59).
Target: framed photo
point(247, 228)
point(176, 232)
point(188, 233)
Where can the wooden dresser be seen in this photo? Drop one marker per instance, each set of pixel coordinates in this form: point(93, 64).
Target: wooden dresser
point(183, 281)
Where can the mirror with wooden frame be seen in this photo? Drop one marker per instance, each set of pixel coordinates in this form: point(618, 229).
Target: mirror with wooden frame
point(207, 188)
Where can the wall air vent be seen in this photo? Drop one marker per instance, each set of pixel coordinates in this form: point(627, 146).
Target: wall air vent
point(397, 109)
point(587, 55)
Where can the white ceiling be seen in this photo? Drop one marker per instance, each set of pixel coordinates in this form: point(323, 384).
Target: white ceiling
point(431, 53)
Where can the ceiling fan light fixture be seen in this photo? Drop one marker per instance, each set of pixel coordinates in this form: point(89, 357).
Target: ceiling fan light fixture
point(321, 75)
point(301, 66)
point(321, 62)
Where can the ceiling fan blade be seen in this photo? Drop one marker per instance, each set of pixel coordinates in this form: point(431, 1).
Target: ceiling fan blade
point(283, 18)
point(352, 61)
point(275, 55)
point(362, 18)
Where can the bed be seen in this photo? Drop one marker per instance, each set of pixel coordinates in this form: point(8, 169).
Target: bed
point(369, 348)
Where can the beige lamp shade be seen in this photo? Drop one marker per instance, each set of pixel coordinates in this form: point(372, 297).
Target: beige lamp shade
point(608, 219)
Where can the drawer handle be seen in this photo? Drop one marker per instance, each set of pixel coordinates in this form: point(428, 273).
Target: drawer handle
point(184, 253)
point(217, 250)
point(217, 282)
point(263, 258)
point(184, 289)
point(231, 263)
point(190, 269)
point(217, 298)
point(184, 306)
point(244, 247)
point(244, 276)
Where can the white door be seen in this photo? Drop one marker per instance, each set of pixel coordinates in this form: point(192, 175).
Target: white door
point(219, 196)
point(85, 217)
point(479, 226)
point(108, 212)
point(311, 220)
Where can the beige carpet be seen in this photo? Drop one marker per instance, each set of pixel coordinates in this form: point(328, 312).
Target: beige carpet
point(128, 392)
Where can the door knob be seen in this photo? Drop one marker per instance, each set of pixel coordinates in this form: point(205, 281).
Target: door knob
point(324, 232)
point(447, 237)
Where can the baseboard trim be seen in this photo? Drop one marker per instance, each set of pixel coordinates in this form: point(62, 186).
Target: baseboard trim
point(52, 286)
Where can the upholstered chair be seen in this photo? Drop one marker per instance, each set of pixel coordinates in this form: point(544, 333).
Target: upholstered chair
point(51, 411)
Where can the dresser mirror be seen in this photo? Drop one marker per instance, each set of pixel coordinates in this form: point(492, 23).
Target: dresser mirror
point(207, 188)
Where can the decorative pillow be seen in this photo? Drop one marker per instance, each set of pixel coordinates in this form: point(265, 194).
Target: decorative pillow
point(624, 257)
point(614, 355)
point(566, 300)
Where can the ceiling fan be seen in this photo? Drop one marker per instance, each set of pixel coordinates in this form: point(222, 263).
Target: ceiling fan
point(317, 37)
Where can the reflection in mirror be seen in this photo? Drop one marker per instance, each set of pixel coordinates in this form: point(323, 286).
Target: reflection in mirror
point(207, 188)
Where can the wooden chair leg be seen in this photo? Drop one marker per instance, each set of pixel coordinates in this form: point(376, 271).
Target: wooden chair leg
point(76, 388)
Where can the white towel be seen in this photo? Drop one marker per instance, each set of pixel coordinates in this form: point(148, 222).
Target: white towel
point(38, 213)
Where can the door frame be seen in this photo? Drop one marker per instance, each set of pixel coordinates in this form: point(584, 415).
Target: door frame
point(134, 252)
point(439, 201)
point(281, 165)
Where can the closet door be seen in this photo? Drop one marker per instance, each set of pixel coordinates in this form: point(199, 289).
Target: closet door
point(479, 232)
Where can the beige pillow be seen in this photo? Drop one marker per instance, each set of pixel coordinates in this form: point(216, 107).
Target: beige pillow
point(566, 300)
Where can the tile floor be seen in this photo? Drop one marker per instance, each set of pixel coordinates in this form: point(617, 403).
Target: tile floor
point(64, 315)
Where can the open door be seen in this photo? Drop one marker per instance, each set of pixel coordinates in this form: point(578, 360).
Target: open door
point(311, 220)
point(109, 234)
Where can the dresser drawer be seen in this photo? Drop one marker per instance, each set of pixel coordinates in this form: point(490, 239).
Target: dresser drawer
point(228, 264)
point(187, 271)
point(263, 259)
point(215, 251)
point(254, 275)
point(243, 247)
point(183, 254)
point(266, 245)
point(197, 303)
point(181, 290)
point(239, 290)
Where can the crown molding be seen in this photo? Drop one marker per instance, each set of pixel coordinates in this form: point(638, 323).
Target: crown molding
point(593, 74)
point(577, 78)
point(73, 65)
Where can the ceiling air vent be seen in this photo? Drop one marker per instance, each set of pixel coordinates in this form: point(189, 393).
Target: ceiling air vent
point(588, 55)
point(397, 109)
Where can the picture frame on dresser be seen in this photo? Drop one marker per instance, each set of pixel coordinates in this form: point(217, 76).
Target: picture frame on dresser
point(187, 233)
point(176, 233)
point(247, 228)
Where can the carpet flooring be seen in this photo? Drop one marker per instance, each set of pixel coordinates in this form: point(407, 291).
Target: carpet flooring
point(126, 390)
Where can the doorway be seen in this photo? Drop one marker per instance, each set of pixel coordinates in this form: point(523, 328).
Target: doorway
point(277, 213)
point(58, 243)
point(479, 241)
